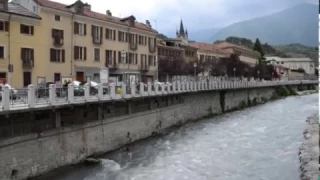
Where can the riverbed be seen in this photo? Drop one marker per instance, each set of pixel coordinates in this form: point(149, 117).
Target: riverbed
point(257, 143)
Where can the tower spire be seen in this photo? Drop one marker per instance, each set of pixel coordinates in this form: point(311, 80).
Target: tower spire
point(181, 31)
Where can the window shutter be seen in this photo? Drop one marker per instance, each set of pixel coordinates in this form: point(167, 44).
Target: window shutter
point(63, 55)
point(127, 37)
point(32, 54)
point(22, 53)
point(136, 40)
point(75, 28)
point(62, 32)
point(32, 30)
point(107, 33)
point(114, 59)
point(136, 58)
point(52, 32)
point(119, 36)
point(75, 53)
point(51, 54)
point(84, 29)
point(119, 57)
point(114, 34)
point(84, 53)
point(92, 32)
point(101, 34)
point(6, 26)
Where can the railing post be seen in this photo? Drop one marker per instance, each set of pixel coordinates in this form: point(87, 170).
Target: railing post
point(195, 86)
point(174, 87)
point(87, 92)
point(191, 86)
point(156, 88)
point(179, 86)
point(163, 88)
point(169, 85)
point(124, 89)
point(100, 91)
point(187, 86)
point(141, 89)
point(31, 96)
point(5, 97)
point(133, 89)
point(149, 88)
point(70, 93)
point(52, 95)
point(112, 90)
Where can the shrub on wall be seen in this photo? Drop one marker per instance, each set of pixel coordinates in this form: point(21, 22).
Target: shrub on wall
point(283, 91)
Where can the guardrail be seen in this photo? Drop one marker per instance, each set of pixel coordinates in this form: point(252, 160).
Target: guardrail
point(34, 98)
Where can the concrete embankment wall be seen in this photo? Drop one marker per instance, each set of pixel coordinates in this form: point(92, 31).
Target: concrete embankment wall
point(52, 138)
point(309, 150)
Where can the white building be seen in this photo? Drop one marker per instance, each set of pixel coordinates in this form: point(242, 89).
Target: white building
point(294, 63)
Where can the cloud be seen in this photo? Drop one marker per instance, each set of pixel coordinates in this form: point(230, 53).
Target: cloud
point(196, 14)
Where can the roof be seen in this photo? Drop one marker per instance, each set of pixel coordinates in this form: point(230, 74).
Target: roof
point(20, 11)
point(280, 66)
point(91, 14)
point(224, 45)
point(289, 59)
point(207, 47)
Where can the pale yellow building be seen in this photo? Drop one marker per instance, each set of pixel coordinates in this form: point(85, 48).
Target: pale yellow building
point(208, 52)
point(77, 42)
point(20, 42)
point(245, 54)
point(307, 64)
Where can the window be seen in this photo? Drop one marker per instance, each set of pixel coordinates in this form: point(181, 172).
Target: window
point(1, 52)
point(109, 57)
point(110, 34)
point(150, 60)
point(143, 59)
point(133, 58)
point(4, 26)
point(122, 36)
point(96, 33)
point(26, 79)
point(80, 28)
point(27, 54)
point(25, 29)
point(96, 54)
point(142, 40)
point(57, 18)
point(80, 53)
point(57, 55)
point(57, 36)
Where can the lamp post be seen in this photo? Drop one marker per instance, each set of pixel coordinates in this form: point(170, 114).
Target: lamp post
point(195, 69)
point(258, 75)
point(234, 72)
point(157, 64)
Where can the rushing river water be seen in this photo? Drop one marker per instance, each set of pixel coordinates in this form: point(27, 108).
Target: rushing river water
point(258, 143)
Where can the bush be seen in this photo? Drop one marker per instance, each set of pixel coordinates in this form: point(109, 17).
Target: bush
point(283, 91)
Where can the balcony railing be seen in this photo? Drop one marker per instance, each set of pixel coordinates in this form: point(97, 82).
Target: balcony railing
point(144, 68)
point(34, 98)
point(27, 63)
point(57, 41)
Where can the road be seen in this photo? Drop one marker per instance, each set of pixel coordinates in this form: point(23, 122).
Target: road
point(258, 143)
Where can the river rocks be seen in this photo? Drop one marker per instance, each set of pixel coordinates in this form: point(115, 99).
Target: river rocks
point(92, 161)
point(309, 150)
point(307, 92)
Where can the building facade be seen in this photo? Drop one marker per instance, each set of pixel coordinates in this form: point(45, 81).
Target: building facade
point(79, 42)
point(245, 54)
point(20, 41)
point(306, 64)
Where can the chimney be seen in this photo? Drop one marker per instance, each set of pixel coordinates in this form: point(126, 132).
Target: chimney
point(3, 4)
point(148, 23)
point(109, 13)
point(87, 6)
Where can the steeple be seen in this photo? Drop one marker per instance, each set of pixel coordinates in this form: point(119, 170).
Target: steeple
point(181, 31)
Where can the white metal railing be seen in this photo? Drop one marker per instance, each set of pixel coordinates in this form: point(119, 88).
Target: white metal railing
point(69, 95)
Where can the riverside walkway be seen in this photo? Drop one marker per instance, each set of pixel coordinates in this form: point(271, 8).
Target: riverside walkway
point(30, 100)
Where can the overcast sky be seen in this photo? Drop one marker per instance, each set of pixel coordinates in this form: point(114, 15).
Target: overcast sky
point(196, 14)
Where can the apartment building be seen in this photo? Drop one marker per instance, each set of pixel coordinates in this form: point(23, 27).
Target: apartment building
point(307, 64)
point(208, 52)
point(245, 54)
point(79, 42)
point(20, 35)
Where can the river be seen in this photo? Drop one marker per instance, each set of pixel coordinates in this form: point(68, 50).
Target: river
point(258, 143)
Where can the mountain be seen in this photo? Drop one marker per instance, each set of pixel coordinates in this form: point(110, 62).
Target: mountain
point(202, 35)
point(299, 50)
point(298, 24)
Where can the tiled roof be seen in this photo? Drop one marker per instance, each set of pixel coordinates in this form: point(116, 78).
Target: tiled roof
point(91, 14)
point(224, 45)
point(289, 59)
point(207, 47)
point(19, 10)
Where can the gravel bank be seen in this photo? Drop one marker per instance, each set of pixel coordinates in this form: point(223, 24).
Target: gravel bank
point(309, 150)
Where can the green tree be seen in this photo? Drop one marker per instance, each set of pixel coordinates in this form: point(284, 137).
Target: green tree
point(257, 47)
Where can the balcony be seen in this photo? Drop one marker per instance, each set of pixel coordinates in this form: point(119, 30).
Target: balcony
point(27, 63)
point(112, 65)
point(97, 40)
point(144, 68)
point(57, 41)
point(133, 46)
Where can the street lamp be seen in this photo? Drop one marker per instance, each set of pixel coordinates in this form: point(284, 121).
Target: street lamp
point(234, 72)
point(195, 70)
point(258, 74)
